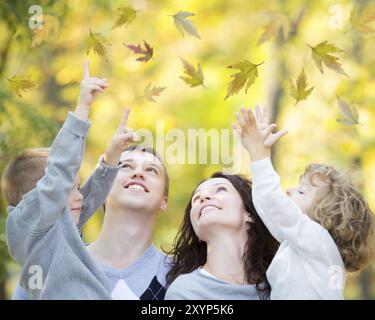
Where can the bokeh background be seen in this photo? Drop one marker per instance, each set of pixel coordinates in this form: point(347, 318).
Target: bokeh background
point(230, 32)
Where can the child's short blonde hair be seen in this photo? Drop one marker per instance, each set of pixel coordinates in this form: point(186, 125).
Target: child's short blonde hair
point(345, 214)
point(21, 174)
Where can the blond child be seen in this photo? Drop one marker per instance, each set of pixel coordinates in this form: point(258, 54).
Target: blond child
point(324, 225)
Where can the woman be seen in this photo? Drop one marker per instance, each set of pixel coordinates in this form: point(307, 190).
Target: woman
point(223, 249)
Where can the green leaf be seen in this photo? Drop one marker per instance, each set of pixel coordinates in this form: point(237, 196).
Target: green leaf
point(125, 17)
point(299, 90)
point(184, 25)
point(194, 77)
point(247, 76)
point(21, 83)
point(349, 113)
point(321, 55)
point(97, 42)
point(151, 92)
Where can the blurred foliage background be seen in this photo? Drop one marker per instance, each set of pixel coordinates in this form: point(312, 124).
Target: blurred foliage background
point(230, 32)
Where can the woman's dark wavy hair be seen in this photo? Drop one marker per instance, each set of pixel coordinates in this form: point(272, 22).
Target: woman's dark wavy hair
point(189, 253)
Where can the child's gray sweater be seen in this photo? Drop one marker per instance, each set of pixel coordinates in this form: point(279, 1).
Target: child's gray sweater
point(41, 234)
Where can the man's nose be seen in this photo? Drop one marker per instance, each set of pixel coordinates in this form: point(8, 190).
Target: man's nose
point(138, 172)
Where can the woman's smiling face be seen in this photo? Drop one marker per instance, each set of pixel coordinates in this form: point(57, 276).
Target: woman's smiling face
point(217, 206)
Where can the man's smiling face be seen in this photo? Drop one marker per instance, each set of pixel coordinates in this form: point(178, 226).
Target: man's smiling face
point(140, 182)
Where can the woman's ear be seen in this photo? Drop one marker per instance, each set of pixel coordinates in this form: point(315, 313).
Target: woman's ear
point(248, 217)
point(163, 205)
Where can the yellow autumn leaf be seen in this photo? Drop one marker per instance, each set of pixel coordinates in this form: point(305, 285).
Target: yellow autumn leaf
point(150, 92)
point(125, 17)
point(194, 77)
point(349, 114)
point(361, 19)
point(299, 90)
point(97, 42)
point(322, 54)
point(49, 30)
point(275, 22)
point(21, 84)
point(184, 25)
point(247, 75)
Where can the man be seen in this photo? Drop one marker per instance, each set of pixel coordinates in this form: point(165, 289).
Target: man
point(124, 249)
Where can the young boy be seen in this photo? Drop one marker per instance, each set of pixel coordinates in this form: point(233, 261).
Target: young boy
point(324, 225)
point(47, 210)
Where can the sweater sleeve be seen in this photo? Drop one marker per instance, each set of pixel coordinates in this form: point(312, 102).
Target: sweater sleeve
point(280, 214)
point(19, 293)
point(41, 208)
point(96, 190)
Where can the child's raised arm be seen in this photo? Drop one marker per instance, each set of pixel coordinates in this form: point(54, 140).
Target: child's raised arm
point(64, 160)
point(98, 186)
point(123, 137)
point(283, 218)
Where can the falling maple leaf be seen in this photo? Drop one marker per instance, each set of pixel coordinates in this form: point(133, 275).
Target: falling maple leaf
point(194, 76)
point(21, 83)
point(49, 30)
point(361, 19)
point(247, 75)
point(321, 55)
point(184, 25)
point(349, 113)
point(126, 16)
point(276, 21)
point(299, 90)
point(147, 52)
point(97, 42)
point(151, 92)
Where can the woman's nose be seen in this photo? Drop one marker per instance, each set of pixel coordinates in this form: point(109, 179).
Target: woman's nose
point(205, 197)
point(288, 192)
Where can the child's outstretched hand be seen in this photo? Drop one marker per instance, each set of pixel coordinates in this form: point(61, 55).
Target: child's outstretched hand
point(90, 87)
point(256, 132)
point(122, 138)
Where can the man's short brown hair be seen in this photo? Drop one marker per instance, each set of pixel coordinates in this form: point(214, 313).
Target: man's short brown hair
point(22, 173)
point(157, 156)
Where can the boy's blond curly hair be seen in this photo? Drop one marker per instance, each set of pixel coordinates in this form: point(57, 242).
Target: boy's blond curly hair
point(344, 212)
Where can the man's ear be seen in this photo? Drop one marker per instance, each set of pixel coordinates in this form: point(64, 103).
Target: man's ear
point(164, 204)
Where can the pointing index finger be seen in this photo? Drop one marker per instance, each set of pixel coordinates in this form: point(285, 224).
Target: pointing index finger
point(86, 73)
point(125, 117)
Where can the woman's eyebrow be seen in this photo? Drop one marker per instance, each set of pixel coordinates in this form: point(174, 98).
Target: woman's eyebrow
point(215, 184)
